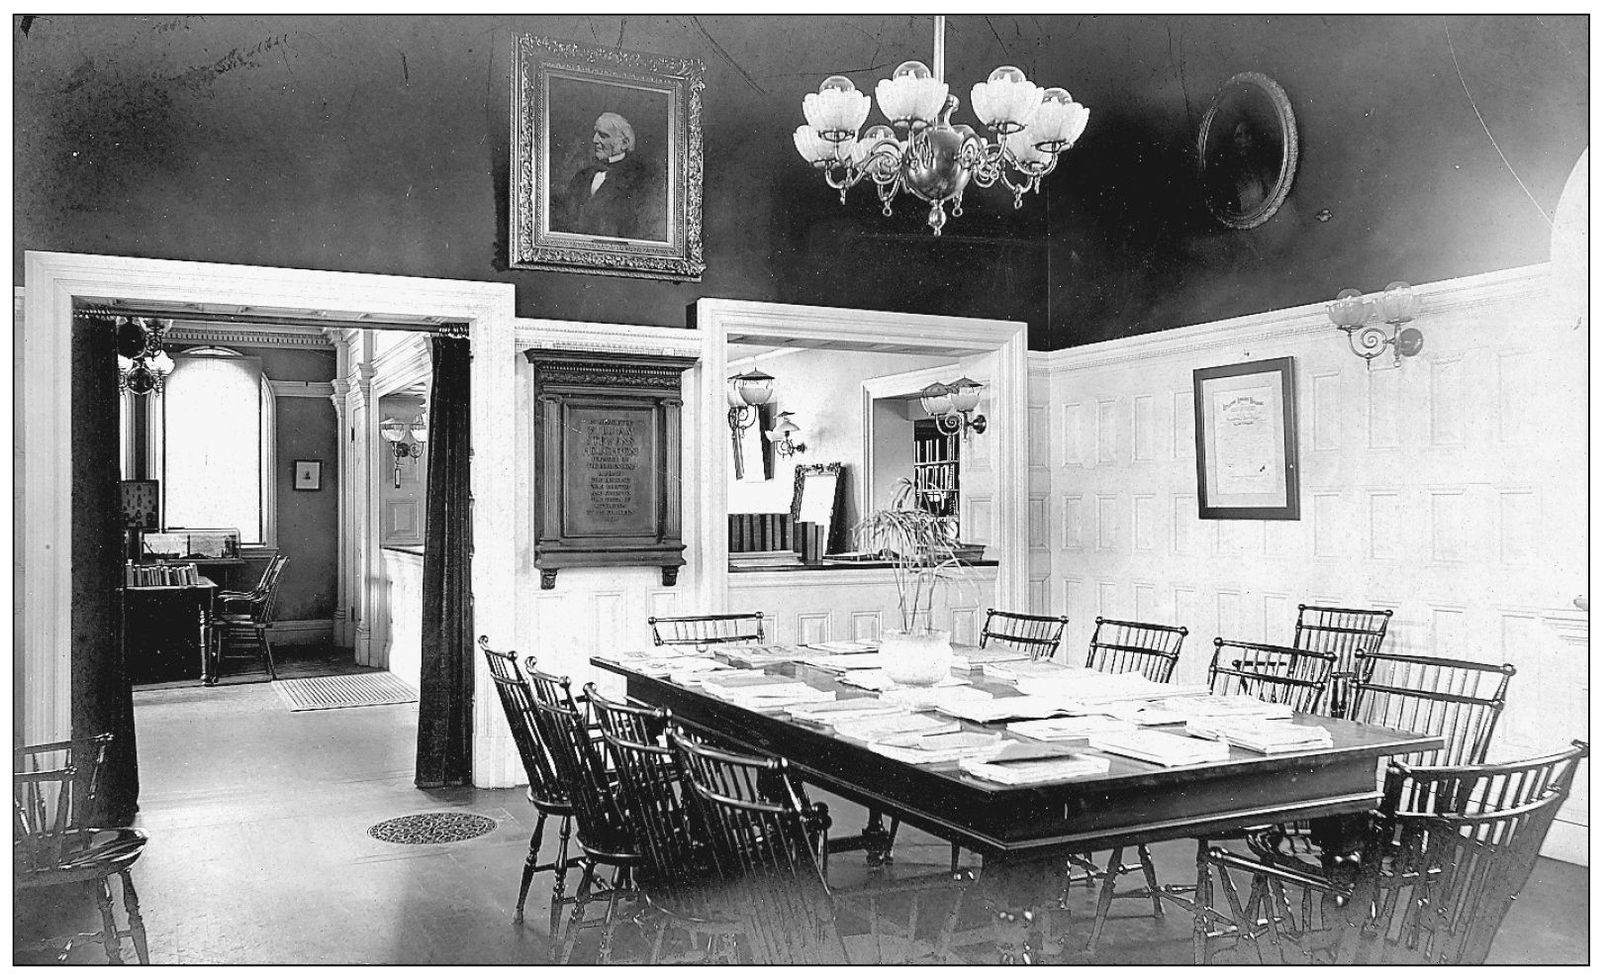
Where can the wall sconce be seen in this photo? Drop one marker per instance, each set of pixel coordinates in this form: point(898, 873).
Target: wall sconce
point(951, 405)
point(781, 436)
point(396, 432)
point(748, 392)
point(1396, 305)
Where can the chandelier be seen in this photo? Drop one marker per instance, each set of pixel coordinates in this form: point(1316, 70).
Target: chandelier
point(142, 364)
point(922, 152)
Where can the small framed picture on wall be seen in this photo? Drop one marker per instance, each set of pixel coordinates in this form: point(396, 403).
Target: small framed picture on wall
point(309, 474)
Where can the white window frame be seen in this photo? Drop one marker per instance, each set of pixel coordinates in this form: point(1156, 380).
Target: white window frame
point(156, 450)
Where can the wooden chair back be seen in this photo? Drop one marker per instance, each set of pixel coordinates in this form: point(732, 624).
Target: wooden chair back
point(547, 789)
point(1149, 648)
point(1346, 633)
point(707, 630)
point(1459, 700)
point(600, 819)
point(53, 787)
point(1272, 673)
point(1038, 636)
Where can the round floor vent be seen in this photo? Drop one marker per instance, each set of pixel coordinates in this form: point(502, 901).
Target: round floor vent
point(432, 828)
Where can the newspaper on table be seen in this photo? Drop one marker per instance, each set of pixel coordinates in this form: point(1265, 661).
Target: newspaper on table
point(1067, 729)
point(1002, 708)
point(1226, 706)
point(1161, 748)
point(1143, 713)
point(870, 729)
point(1263, 735)
point(771, 697)
point(845, 661)
point(1022, 763)
point(844, 646)
point(979, 658)
point(832, 712)
point(876, 679)
point(1014, 670)
point(926, 698)
point(924, 749)
point(756, 655)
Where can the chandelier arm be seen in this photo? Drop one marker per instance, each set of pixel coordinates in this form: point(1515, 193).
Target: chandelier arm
point(1369, 341)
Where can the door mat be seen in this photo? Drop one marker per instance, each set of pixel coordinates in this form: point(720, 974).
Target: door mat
point(432, 828)
point(346, 691)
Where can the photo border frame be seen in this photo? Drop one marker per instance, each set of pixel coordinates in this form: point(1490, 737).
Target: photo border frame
point(314, 474)
point(1212, 503)
point(535, 58)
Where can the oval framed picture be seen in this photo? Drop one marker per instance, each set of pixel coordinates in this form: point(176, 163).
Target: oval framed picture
point(1247, 148)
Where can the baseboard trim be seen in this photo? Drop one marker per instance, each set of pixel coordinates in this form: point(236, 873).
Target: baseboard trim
point(298, 632)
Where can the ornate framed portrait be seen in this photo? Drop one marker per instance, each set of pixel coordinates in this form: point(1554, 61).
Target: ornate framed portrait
point(606, 175)
point(1248, 147)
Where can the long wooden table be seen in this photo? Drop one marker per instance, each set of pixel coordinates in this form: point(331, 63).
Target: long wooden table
point(1015, 828)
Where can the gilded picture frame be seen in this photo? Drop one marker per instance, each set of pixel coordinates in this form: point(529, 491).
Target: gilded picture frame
point(1247, 150)
point(1244, 441)
point(606, 174)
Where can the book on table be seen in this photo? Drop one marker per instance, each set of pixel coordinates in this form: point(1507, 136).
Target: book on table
point(1000, 709)
point(1161, 748)
point(1067, 729)
point(869, 729)
point(1263, 735)
point(1023, 763)
point(925, 749)
point(1227, 706)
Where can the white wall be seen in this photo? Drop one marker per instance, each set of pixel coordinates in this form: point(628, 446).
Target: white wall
point(1450, 489)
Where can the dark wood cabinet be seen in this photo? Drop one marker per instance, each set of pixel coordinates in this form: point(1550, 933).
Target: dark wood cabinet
point(165, 631)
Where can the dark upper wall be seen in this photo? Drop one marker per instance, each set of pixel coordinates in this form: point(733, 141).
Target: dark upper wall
point(380, 145)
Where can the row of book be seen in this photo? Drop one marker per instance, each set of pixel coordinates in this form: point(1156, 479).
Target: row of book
point(144, 576)
point(761, 532)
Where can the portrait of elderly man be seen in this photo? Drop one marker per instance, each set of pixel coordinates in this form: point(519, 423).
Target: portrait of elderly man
point(617, 195)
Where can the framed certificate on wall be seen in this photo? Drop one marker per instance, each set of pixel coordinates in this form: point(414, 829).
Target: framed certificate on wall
point(1244, 441)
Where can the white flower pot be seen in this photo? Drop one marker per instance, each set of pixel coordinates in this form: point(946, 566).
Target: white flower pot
point(918, 657)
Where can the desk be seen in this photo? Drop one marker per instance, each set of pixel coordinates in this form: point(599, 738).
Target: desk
point(165, 630)
point(1018, 831)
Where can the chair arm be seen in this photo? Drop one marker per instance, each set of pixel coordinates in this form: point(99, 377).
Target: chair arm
point(1228, 859)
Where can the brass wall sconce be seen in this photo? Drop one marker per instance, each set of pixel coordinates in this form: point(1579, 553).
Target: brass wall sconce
point(1396, 306)
point(781, 436)
point(951, 406)
point(396, 432)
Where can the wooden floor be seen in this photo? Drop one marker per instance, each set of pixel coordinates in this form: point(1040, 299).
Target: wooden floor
point(259, 853)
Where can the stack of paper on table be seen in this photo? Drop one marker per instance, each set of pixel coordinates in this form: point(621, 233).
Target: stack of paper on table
point(740, 678)
point(1159, 747)
point(974, 658)
point(870, 729)
point(877, 680)
point(1065, 729)
point(1013, 670)
point(1020, 763)
point(845, 661)
point(667, 666)
point(762, 656)
point(772, 696)
point(1227, 706)
point(923, 749)
point(924, 698)
point(1092, 687)
point(843, 646)
point(1263, 735)
point(998, 709)
point(1143, 713)
point(832, 712)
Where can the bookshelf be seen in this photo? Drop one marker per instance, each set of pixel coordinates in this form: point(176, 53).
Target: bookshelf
point(937, 472)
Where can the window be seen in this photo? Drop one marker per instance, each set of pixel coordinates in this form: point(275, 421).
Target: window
point(213, 444)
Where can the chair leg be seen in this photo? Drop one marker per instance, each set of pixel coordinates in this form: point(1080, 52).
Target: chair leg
point(108, 936)
point(1107, 891)
point(560, 869)
point(530, 867)
point(136, 924)
point(605, 945)
point(582, 896)
point(1202, 902)
point(1149, 879)
point(267, 652)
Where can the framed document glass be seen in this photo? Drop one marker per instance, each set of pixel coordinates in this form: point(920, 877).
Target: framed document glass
point(1244, 441)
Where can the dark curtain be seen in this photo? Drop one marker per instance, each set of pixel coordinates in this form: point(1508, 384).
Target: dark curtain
point(102, 698)
point(446, 678)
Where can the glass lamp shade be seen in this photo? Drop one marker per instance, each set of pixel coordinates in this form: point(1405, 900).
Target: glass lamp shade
point(1023, 145)
point(393, 429)
point(161, 363)
point(1058, 120)
point(1006, 100)
point(1348, 310)
point(937, 399)
point(966, 394)
point(838, 110)
point(131, 338)
point(1397, 304)
point(911, 95)
point(753, 388)
point(124, 364)
point(812, 147)
point(785, 427)
point(419, 430)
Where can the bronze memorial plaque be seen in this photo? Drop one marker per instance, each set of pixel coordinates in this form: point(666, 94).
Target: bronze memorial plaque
point(607, 461)
point(610, 492)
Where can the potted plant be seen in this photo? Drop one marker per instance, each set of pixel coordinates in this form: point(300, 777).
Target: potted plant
point(922, 550)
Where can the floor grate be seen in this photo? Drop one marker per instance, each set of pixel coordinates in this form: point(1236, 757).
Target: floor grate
point(345, 691)
point(432, 828)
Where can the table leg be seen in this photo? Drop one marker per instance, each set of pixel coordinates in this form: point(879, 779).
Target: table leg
point(207, 672)
point(1015, 894)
